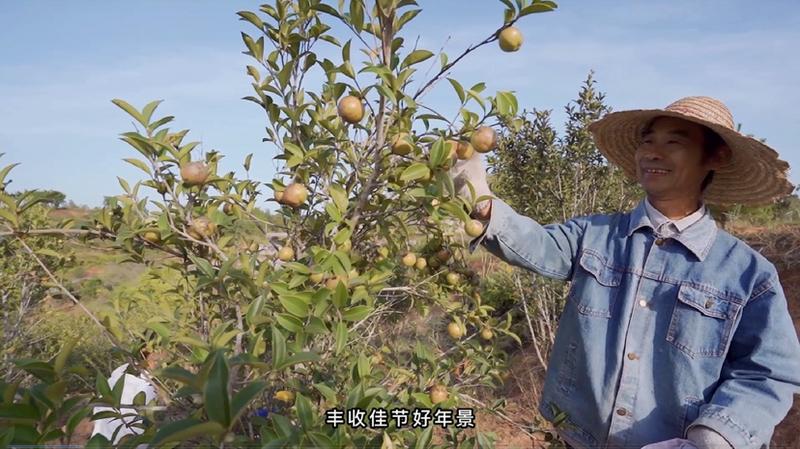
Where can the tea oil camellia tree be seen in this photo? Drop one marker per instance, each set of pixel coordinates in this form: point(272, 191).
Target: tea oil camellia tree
point(372, 229)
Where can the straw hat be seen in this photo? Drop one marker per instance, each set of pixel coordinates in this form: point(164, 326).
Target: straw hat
point(754, 176)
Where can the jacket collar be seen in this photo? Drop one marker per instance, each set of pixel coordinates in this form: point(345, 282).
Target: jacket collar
point(697, 238)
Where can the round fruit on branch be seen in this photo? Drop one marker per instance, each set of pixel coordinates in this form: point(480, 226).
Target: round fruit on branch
point(194, 173)
point(294, 195)
point(202, 228)
point(351, 109)
point(510, 39)
point(401, 144)
point(484, 139)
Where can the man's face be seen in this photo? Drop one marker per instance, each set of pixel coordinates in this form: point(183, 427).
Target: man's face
point(669, 159)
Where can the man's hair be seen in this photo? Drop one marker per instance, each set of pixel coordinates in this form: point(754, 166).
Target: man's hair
point(712, 142)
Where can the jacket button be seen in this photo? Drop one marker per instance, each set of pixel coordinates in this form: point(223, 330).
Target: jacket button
point(660, 241)
point(643, 303)
point(622, 412)
point(632, 356)
point(709, 303)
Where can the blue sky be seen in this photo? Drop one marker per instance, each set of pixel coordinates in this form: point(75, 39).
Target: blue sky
point(62, 63)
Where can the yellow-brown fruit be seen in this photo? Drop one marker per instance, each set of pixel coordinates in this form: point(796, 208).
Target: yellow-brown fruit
point(484, 139)
point(453, 278)
point(286, 253)
point(152, 236)
point(465, 150)
point(451, 146)
point(316, 277)
point(194, 173)
point(510, 39)
point(284, 396)
point(201, 228)
point(487, 334)
point(421, 263)
point(438, 394)
point(410, 259)
point(294, 195)
point(345, 247)
point(401, 145)
point(473, 228)
point(333, 282)
point(351, 109)
point(443, 255)
point(279, 196)
point(228, 208)
point(455, 331)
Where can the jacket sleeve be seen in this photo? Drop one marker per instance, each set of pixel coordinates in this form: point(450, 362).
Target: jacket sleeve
point(548, 250)
point(760, 374)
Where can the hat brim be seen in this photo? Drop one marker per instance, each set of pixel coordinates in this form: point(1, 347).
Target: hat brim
point(754, 175)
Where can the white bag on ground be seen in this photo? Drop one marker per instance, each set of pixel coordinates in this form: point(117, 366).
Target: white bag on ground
point(133, 385)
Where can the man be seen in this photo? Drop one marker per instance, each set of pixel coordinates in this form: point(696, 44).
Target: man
point(675, 333)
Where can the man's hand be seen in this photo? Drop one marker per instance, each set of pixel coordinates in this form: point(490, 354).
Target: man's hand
point(472, 172)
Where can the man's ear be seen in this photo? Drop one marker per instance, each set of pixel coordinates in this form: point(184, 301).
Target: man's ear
point(721, 157)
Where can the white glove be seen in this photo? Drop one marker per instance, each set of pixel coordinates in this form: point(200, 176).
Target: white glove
point(471, 171)
point(675, 443)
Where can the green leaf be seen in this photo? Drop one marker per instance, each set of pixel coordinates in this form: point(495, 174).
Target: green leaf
point(130, 110)
point(4, 172)
point(439, 153)
point(538, 7)
point(19, 413)
point(304, 411)
point(243, 397)
point(341, 337)
point(339, 197)
point(424, 438)
point(321, 440)
point(63, 355)
point(139, 164)
point(254, 310)
point(346, 51)
point(185, 429)
point(215, 393)
point(252, 18)
point(459, 89)
point(415, 57)
point(415, 171)
point(406, 17)
point(357, 15)
point(10, 216)
point(278, 346)
point(294, 305)
point(327, 392)
point(455, 209)
point(357, 313)
point(147, 112)
point(508, 3)
point(290, 323)
point(181, 375)
point(300, 357)
point(40, 370)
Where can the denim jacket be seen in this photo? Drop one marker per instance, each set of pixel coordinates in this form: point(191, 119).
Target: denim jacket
point(657, 335)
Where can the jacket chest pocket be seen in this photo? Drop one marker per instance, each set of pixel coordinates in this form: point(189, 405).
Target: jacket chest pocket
point(595, 285)
point(702, 323)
